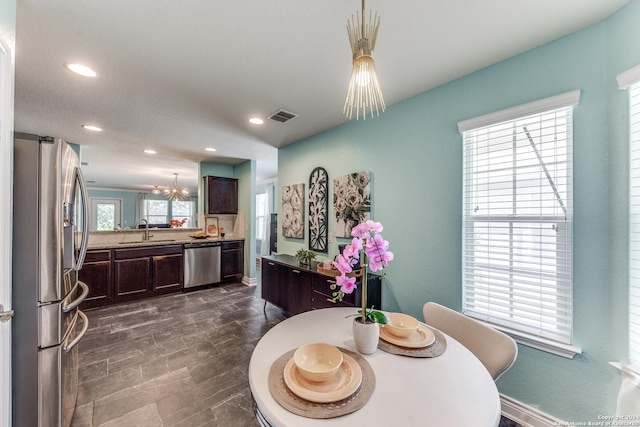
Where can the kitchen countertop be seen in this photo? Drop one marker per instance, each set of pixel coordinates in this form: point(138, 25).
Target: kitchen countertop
point(159, 242)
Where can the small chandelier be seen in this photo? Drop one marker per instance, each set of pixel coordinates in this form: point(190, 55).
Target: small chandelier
point(174, 192)
point(155, 190)
point(364, 88)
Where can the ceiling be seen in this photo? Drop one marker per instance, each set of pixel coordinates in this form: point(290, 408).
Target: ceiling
point(180, 76)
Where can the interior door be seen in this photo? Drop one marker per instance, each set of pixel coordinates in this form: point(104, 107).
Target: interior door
point(6, 156)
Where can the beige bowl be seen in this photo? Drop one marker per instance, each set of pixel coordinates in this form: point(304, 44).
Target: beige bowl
point(317, 361)
point(401, 325)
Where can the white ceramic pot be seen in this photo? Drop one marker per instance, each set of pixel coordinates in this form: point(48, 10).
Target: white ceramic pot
point(365, 336)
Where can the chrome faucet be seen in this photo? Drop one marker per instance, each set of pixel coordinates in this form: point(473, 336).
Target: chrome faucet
point(146, 228)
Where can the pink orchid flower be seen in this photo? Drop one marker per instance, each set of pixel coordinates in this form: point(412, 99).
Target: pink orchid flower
point(367, 239)
point(343, 265)
point(347, 284)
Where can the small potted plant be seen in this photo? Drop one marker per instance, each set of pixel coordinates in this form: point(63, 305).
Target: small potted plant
point(304, 256)
point(368, 247)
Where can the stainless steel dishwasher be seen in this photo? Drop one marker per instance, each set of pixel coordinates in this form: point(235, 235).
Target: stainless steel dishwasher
point(201, 263)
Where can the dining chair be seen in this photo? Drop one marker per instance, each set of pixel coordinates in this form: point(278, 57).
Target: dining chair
point(496, 350)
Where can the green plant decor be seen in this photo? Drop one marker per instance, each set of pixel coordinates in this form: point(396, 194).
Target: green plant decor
point(304, 256)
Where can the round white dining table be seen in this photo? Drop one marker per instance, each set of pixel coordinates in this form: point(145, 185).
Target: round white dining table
point(450, 390)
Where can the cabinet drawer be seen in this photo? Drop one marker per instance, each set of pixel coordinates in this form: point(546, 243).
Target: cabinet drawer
point(321, 300)
point(238, 244)
point(322, 285)
point(98, 255)
point(147, 251)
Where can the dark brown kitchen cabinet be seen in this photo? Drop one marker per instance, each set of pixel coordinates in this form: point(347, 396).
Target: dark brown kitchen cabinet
point(232, 260)
point(296, 288)
point(132, 276)
point(221, 195)
point(117, 275)
point(167, 273)
point(96, 272)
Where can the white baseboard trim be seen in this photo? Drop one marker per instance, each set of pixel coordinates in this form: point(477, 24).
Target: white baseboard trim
point(249, 281)
point(526, 415)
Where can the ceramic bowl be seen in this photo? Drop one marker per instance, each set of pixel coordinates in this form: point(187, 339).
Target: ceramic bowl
point(317, 361)
point(401, 325)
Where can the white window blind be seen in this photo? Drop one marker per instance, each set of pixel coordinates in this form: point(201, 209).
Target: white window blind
point(517, 219)
point(634, 225)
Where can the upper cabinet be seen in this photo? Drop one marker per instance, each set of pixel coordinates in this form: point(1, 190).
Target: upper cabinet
point(222, 195)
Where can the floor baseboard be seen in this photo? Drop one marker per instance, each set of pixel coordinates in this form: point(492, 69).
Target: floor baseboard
point(249, 281)
point(526, 415)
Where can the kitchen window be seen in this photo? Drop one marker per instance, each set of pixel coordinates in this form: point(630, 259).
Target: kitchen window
point(630, 80)
point(157, 211)
point(181, 209)
point(517, 222)
point(161, 211)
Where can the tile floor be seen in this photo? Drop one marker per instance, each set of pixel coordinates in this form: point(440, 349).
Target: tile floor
point(175, 360)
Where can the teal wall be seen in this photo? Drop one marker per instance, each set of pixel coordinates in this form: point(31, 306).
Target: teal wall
point(215, 169)
point(128, 203)
point(8, 25)
point(246, 174)
point(414, 152)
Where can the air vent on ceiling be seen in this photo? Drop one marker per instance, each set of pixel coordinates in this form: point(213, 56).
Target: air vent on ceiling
point(282, 116)
point(84, 164)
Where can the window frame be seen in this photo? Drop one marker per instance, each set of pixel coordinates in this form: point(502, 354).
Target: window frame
point(520, 333)
point(630, 80)
point(165, 219)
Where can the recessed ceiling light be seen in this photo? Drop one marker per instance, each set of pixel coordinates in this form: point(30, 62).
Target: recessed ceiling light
point(150, 151)
point(93, 128)
point(210, 149)
point(256, 120)
point(83, 70)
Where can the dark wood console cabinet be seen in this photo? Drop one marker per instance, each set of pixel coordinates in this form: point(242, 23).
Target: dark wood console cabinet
point(296, 288)
point(221, 195)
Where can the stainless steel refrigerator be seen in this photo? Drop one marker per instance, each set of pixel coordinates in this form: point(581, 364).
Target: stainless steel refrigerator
point(50, 237)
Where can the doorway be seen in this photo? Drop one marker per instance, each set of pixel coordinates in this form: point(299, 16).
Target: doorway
point(106, 214)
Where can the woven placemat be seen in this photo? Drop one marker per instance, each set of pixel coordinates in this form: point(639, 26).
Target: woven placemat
point(433, 350)
point(305, 408)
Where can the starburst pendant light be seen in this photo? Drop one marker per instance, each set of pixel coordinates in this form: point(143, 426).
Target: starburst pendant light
point(364, 91)
point(175, 192)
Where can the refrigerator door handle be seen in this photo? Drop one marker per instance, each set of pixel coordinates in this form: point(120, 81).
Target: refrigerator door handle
point(85, 219)
point(70, 306)
point(85, 325)
point(5, 315)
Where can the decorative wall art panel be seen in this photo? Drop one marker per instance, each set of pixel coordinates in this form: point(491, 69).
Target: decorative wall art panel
point(293, 211)
point(318, 210)
point(351, 201)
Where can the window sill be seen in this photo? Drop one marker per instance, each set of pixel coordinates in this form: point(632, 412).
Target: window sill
point(553, 347)
point(632, 368)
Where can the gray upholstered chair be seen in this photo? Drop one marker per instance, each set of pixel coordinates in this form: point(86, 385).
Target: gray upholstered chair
point(496, 350)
